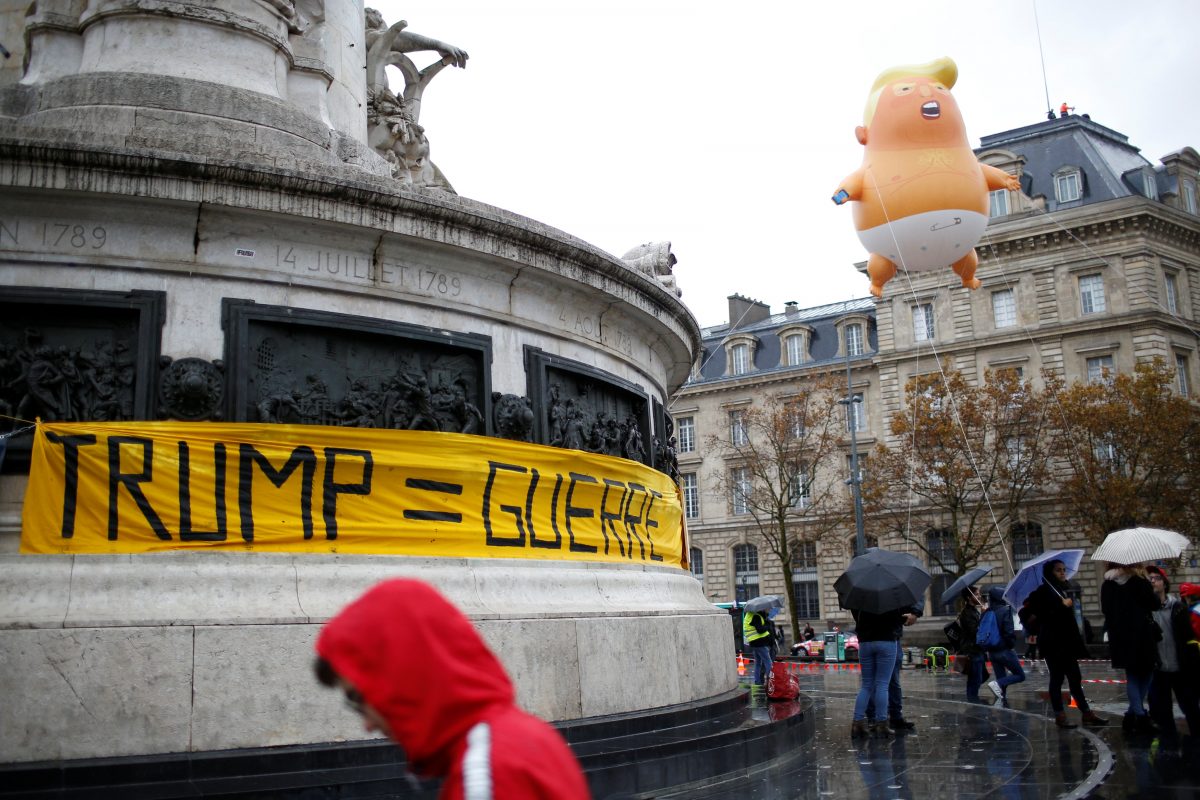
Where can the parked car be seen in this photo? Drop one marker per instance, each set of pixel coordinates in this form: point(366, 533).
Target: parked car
point(814, 649)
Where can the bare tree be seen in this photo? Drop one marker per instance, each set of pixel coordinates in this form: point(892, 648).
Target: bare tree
point(964, 461)
point(781, 456)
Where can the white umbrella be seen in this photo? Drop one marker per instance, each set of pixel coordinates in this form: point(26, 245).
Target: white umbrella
point(1030, 576)
point(1139, 545)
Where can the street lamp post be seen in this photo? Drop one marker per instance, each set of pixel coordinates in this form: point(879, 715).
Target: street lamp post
point(854, 481)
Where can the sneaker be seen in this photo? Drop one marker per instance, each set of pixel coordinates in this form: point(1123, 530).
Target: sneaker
point(996, 690)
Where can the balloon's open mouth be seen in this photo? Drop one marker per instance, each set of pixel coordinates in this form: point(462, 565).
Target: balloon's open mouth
point(931, 110)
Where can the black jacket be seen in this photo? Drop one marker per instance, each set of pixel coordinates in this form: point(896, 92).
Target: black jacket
point(1058, 632)
point(879, 627)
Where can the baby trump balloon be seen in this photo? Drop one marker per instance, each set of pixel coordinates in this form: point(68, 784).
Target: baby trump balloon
point(920, 198)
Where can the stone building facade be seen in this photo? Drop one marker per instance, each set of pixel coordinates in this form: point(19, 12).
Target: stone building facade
point(1094, 264)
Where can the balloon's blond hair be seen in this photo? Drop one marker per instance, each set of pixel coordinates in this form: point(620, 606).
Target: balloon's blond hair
point(943, 69)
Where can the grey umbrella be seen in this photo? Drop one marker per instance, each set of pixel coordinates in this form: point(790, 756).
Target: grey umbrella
point(763, 603)
point(879, 581)
point(971, 577)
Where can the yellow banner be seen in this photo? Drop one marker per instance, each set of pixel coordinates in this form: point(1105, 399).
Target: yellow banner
point(135, 487)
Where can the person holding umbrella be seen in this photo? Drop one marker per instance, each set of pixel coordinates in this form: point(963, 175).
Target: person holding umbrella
point(879, 587)
point(1060, 642)
point(1128, 603)
point(759, 635)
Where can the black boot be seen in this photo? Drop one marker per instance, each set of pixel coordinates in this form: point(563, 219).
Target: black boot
point(901, 724)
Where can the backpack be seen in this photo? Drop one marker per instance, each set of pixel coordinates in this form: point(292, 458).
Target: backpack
point(988, 634)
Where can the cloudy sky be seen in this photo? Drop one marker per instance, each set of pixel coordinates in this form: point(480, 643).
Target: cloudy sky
point(725, 128)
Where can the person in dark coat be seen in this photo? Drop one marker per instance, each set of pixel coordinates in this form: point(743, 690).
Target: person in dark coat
point(1128, 603)
point(1177, 672)
point(968, 651)
point(1061, 643)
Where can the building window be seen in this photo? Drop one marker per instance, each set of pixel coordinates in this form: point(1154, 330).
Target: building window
point(923, 322)
point(998, 203)
point(740, 481)
point(854, 339)
point(939, 544)
point(1189, 197)
point(691, 495)
point(740, 356)
point(1171, 293)
point(1004, 308)
point(737, 428)
point(1181, 376)
point(1105, 453)
point(804, 556)
point(1149, 185)
point(808, 598)
point(745, 571)
point(801, 488)
point(856, 414)
point(1015, 448)
point(795, 349)
point(869, 541)
point(1099, 369)
point(804, 580)
point(1067, 186)
point(686, 428)
point(795, 420)
point(1091, 294)
point(696, 559)
point(1026, 540)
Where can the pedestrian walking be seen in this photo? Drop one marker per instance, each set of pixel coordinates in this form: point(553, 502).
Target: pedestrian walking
point(1127, 601)
point(878, 636)
point(416, 669)
point(1004, 659)
point(1061, 643)
point(969, 655)
point(1178, 669)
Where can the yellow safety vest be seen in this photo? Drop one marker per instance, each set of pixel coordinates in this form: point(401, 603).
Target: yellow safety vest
point(749, 632)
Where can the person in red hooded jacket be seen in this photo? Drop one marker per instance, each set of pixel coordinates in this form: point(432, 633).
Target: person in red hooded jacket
point(416, 669)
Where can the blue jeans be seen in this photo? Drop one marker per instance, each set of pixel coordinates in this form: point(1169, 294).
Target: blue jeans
point(974, 676)
point(1137, 689)
point(1007, 667)
point(762, 664)
point(877, 659)
point(895, 694)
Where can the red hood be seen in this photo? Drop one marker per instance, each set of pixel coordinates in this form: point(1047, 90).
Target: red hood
point(418, 661)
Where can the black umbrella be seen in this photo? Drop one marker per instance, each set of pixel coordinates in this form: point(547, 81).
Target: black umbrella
point(971, 577)
point(879, 581)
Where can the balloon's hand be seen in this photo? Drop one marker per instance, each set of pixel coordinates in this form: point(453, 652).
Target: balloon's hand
point(1012, 184)
point(841, 196)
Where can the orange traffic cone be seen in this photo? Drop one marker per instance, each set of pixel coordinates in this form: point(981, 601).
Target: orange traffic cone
point(741, 664)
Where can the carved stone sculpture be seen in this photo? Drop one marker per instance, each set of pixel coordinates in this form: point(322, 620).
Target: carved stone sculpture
point(512, 417)
point(656, 260)
point(191, 389)
point(393, 121)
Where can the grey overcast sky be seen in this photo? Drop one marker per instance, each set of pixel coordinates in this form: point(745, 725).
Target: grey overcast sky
point(725, 127)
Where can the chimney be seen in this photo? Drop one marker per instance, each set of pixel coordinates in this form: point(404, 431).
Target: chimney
point(791, 308)
point(743, 311)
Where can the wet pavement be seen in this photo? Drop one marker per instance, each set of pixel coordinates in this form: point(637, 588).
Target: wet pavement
point(967, 750)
